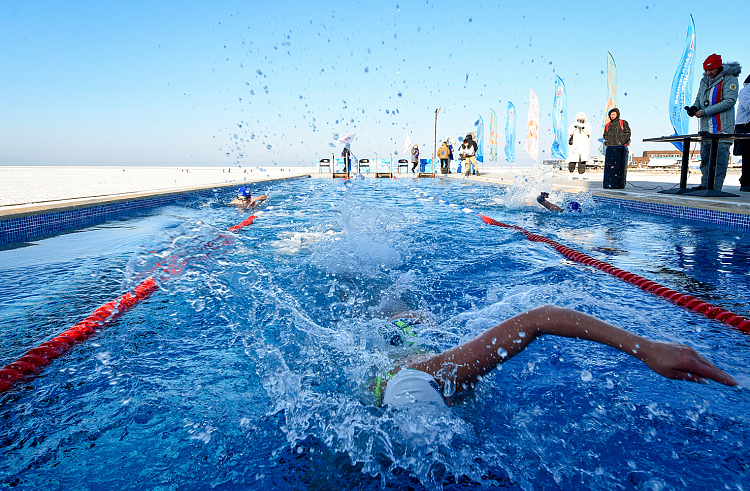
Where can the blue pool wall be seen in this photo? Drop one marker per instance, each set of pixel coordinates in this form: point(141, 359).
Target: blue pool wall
point(25, 228)
point(721, 218)
point(28, 227)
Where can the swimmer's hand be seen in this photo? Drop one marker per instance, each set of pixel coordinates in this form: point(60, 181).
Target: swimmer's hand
point(681, 362)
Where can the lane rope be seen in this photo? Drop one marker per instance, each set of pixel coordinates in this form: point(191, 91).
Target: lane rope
point(34, 360)
point(688, 302)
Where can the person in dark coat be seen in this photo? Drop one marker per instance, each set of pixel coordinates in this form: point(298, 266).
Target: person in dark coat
point(346, 153)
point(617, 131)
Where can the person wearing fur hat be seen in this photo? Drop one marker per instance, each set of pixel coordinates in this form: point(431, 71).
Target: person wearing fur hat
point(714, 106)
point(742, 125)
point(579, 142)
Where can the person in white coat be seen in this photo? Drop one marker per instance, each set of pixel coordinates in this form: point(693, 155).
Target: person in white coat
point(742, 125)
point(579, 143)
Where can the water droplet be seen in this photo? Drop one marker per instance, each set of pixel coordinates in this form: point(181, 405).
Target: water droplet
point(502, 353)
point(367, 69)
point(521, 334)
point(268, 147)
point(494, 340)
point(586, 376)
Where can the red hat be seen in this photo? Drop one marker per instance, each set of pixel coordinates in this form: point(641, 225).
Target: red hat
point(713, 61)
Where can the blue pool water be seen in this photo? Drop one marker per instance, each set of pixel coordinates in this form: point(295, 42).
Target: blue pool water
point(249, 369)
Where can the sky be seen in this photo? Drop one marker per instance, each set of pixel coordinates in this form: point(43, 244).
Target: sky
point(232, 83)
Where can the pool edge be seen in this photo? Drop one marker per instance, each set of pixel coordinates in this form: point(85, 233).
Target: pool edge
point(26, 223)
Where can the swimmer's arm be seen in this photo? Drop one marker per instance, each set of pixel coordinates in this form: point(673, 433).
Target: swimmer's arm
point(464, 364)
point(260, 199)
point(542, 200)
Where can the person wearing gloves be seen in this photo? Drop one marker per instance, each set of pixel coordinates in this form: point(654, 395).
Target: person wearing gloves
point(714, 106)
point(742, 125)
point(579, 143)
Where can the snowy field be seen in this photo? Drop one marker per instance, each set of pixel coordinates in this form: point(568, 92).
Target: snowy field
point(36, 185)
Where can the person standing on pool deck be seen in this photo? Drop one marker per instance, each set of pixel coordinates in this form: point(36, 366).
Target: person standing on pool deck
point(443, 154)
point(616, 131)
point(436, 378)
point(414, 157)
point(346, 153)
point(469, 148)
point(579, 143)
point(742, 125)
point(714, 106)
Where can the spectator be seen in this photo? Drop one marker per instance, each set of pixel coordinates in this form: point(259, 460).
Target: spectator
point(742, 147)
point(470, 155)
point(346, 153)
point(444, 156)
point(414, 158)
point(579, 143)
point(616, 131)
point(714, 105)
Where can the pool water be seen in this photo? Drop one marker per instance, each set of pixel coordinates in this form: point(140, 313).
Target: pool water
point(249, 368)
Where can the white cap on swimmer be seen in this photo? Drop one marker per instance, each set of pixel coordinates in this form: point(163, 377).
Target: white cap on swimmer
point(409, 386)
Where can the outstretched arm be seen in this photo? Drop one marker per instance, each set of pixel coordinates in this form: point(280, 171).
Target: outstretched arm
point(459, 367)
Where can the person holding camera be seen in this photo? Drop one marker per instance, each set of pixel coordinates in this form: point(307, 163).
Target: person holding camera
point(579, 143)
point(714, 106)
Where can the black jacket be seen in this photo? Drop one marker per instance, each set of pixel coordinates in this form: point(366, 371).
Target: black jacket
point(617, 131)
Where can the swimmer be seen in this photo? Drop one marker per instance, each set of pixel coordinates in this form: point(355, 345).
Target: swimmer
point(434, 378)
point(542, 200)
point(245, 200)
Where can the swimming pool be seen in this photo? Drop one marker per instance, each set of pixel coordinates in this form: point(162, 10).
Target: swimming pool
point(249, 368)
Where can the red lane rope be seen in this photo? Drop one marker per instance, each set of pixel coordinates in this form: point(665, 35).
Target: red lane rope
point(247, 221)
point(37, 358)
point(44, 354)
point(687, 301)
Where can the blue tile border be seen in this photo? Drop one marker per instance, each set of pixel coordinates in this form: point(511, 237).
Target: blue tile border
point(723, 218)
point(36, 226)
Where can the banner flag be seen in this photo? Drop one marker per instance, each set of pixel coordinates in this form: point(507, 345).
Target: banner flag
point(611, 93)
point(348, 139)
point(480, 140)
point(493, 136)
point(682, 84)
point(560, 121)
point(531, 145)
point(510, 133)
point(407, 147)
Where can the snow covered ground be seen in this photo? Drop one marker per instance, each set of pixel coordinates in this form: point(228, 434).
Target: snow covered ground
point(36, 185)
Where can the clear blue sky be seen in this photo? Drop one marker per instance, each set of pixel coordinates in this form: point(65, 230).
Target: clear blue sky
point(162, 83)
